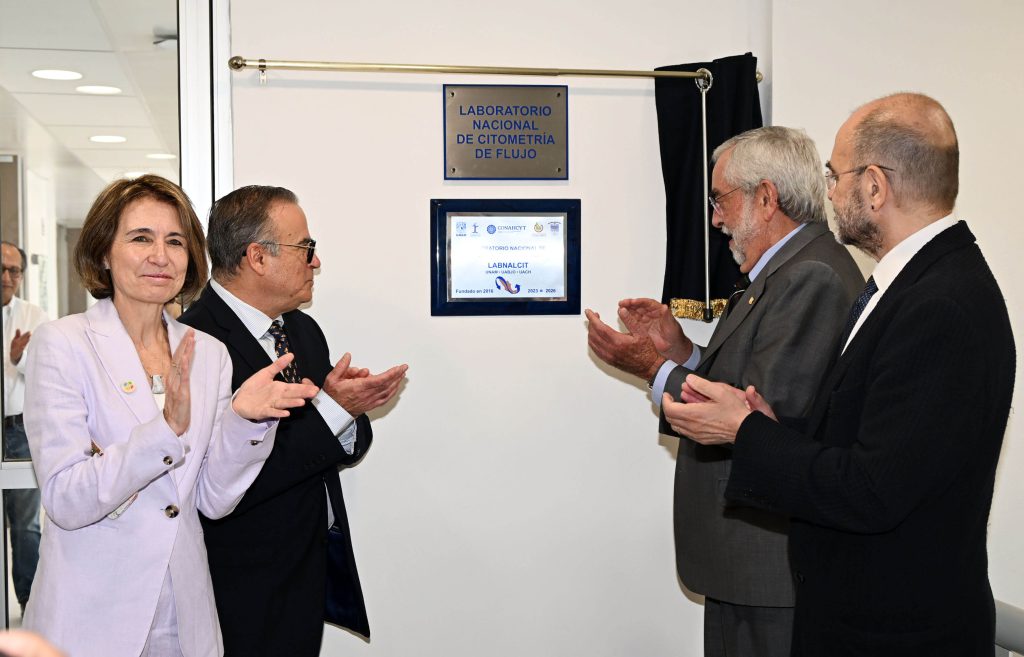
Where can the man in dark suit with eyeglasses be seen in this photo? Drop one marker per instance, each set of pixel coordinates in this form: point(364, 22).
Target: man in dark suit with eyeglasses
point(270, 558)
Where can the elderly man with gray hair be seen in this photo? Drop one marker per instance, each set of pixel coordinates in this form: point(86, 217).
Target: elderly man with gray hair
point(778, 333)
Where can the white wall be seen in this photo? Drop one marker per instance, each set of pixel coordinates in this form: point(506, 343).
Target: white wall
point(517, 499)
point(829, 58)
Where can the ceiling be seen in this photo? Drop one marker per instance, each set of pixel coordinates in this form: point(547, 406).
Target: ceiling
point(110, 42)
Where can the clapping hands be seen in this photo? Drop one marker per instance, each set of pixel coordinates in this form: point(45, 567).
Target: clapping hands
point(652, 336)
point(358, 391)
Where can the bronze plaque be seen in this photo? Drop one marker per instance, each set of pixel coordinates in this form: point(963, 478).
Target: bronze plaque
point(499, 132)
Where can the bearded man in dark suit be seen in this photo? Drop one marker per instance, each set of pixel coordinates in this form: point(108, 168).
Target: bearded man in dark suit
point(889, 480)
point(269, 558)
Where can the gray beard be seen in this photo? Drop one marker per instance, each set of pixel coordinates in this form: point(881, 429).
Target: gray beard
point(856, 228)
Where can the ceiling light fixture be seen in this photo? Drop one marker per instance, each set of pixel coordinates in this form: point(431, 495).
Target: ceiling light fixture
point(56, 74)
point(98, 90)
point(165, 38)
point(161, 156)
point(108, 139)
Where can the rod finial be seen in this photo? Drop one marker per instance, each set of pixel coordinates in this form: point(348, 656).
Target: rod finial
point(705, 81)
point(236, 63)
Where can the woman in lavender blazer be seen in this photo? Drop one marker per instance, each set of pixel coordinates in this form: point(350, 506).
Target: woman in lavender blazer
point(133, 431)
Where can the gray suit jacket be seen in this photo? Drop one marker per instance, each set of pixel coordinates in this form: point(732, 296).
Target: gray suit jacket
point(780, 336)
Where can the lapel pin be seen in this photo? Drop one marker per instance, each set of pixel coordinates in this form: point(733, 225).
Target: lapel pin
point(128, 387)
point(750, 302)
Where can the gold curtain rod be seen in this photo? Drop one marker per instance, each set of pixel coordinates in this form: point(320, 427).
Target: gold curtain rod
point(262, 65)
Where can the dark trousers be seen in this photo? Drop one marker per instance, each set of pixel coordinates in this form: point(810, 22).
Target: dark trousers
point(22, 509)
point(743, 631)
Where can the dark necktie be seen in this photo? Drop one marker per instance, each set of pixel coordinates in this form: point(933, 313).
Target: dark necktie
point(282, 347)
point(741, 287)
point(858, 307)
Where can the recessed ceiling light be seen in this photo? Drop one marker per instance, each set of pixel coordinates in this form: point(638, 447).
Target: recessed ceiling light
point(161, 156)
point(56, 74)
point(98, 90)
point(108, 139)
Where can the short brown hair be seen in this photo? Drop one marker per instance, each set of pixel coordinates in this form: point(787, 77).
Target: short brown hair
point(104, 217)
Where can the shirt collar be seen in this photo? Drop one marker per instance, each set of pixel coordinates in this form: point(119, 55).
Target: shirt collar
point(772, 250)
point(890, 266)
point(255, 321)
point(9, 308)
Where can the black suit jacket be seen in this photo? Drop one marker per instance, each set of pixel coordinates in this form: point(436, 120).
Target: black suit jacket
point(890, 489)
point(267, 558)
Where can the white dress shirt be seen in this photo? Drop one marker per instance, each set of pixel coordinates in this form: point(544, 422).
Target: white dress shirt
point(340, 422)
point(19, 315)
point(890, 266)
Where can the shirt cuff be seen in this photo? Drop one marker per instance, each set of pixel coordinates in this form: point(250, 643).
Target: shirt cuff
point(658, 387)
point(338, 420)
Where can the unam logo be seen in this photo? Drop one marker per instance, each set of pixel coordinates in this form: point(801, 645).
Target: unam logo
point(491, 229)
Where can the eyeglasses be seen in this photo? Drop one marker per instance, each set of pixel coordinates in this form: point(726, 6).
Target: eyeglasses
point(716, 201)
point(832, 178)
point(15, 272)
point(310, 247)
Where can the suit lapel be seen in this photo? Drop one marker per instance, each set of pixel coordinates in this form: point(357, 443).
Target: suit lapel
point(234, 332)
point(123, 367)
point(745, 303)
point(956, 237)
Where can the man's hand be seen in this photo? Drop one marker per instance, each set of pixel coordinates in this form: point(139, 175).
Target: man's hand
point(633, 354)
point(656, 320)
point(713, 421)
point(756, 402)
point(751, 397)
point(358, 391)
point(18, 344)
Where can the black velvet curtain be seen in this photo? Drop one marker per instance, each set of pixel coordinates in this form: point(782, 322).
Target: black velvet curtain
point(733, 106)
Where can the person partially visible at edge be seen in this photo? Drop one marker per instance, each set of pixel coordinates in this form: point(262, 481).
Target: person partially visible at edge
point(21, 505)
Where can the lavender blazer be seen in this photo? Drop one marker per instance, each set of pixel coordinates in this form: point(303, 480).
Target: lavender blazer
point(100, 573)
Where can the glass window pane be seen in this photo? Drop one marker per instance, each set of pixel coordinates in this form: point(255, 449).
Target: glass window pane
point(88, 94)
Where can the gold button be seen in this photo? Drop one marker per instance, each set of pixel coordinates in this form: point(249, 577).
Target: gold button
point(171, 511)
point(168, 460)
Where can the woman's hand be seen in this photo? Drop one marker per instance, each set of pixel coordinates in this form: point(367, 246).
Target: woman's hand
point(178, 402)
point(261, 397)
